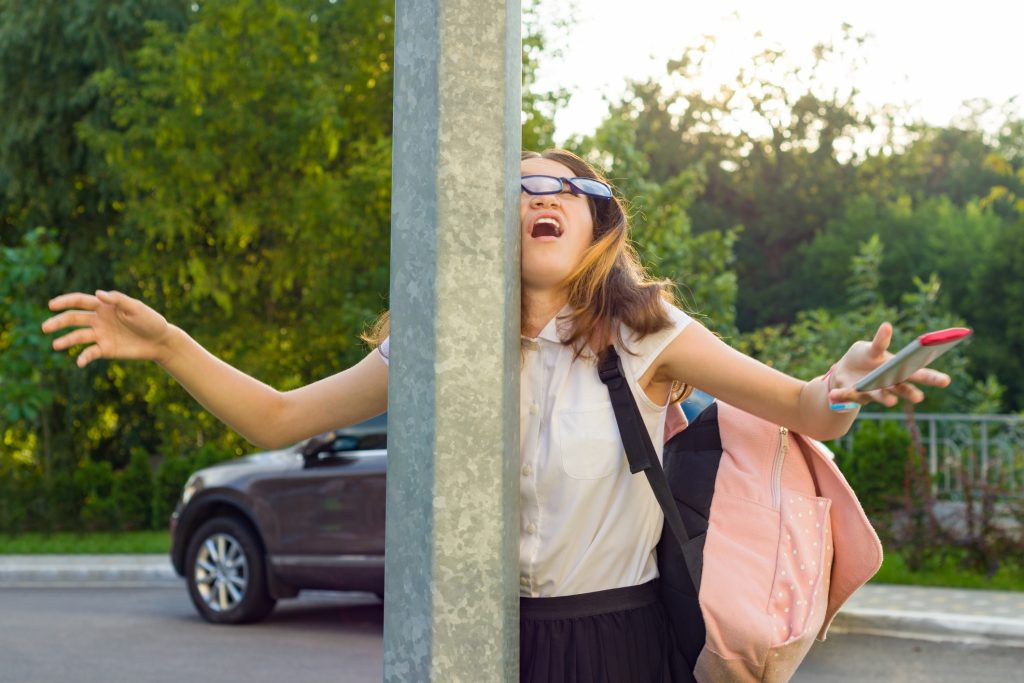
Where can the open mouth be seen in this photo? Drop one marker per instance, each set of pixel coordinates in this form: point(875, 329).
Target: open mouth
point(546, 227)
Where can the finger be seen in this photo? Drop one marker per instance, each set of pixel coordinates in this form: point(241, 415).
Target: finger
point(126, 306)
point(111, 297)
point(848, 395)
point(882, 338)
point(69, 319)
point(929, 377)
point(74, 300)
point(881, 396)
point(908, 392)
point(86, 335)
point(851, 395)
point(87, 356)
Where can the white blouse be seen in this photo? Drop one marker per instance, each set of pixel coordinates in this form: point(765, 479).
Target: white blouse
point(586, 523)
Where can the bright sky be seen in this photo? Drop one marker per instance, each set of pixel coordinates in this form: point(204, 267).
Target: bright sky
point(930, 55)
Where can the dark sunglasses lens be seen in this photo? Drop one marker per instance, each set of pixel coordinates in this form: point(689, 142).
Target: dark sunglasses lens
point(541, 184)
point(595, 188)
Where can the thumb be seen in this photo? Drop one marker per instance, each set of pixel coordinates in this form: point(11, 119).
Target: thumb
point(882, 338)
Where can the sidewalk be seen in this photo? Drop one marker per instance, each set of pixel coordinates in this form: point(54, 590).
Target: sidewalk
point(941, 614)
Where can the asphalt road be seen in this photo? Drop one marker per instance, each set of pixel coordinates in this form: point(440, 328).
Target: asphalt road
point(153, 635)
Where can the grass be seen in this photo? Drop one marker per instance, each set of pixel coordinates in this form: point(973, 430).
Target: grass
point(946, 571)
point(99, 543)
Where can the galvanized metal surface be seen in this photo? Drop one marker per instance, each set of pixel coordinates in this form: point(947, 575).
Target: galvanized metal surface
point(451, 568)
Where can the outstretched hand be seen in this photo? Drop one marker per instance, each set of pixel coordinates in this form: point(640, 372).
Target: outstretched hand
point(862, 358)
point(109, 324)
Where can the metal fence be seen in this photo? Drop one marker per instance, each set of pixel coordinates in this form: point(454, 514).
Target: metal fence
point(988, 449)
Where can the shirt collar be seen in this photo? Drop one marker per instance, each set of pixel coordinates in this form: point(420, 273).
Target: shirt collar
point(550, 332)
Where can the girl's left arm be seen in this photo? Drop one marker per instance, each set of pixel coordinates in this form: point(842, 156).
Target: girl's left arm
point(699, 358)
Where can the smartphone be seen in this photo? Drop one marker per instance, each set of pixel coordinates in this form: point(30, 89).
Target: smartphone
point(911, 358)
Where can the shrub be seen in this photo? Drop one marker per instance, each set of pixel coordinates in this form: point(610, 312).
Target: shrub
point(170, 478)
point(133, 493)
point(95, 484)
point(875, 465)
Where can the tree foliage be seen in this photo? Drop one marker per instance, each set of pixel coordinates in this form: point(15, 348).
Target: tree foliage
point(228, 161)
point(808, 347)
point(807, 171)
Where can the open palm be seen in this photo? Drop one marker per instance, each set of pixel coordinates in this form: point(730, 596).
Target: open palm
point(109, 324)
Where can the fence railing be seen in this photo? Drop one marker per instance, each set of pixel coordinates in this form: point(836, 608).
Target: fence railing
point(989, 449)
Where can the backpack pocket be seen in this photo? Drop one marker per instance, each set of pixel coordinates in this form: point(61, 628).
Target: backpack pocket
point(802, 567)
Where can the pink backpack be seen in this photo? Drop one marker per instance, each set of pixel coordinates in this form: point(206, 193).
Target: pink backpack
point(764, 540)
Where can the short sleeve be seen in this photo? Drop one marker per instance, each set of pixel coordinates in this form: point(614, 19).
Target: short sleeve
point(647, 349)
point(385, 350)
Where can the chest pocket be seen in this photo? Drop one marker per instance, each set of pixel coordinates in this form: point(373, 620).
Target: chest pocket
point(589, 442)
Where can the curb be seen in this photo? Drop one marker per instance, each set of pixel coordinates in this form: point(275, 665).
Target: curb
point(65, 571)
point(933, 626)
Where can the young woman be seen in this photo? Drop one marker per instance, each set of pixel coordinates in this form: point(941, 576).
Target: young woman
point(589, 528)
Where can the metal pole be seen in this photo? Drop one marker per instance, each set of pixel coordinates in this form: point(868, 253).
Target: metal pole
point(451, 610)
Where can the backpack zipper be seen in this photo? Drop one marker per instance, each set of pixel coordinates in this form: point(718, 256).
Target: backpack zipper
point(780, 456)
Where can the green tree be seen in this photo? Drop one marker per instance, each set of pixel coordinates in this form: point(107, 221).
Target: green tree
point(49, 52)
point(254, 154)
point(819, 337)
point(774, 145)
point(543, 26)
point(995, 289)
point(47, 176)
point(700, 265)
point(27, 365)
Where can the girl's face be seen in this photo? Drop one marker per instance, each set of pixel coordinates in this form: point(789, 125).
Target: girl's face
point(557, 228)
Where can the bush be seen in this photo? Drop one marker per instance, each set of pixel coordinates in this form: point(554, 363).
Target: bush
point(22, 499)
point(64, 502)
point(875, 465)
point(95, 485)
point(133, 493)
point(170, 478)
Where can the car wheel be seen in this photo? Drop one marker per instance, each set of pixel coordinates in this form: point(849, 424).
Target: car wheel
point(225, 573)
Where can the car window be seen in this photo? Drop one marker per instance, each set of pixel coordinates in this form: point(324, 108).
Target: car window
point(345, 442)
point(373, 442)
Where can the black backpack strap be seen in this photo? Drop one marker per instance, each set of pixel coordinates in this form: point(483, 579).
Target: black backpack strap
point(639, 450)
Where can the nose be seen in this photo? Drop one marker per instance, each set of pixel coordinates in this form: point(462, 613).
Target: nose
point(541, 200)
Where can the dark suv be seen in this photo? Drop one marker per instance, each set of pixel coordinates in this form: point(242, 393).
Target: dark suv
point(251, 531)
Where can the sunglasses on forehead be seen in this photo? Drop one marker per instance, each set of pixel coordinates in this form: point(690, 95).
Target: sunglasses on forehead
point(549, 184)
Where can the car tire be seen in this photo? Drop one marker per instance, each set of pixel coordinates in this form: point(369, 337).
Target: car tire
point(225, 573)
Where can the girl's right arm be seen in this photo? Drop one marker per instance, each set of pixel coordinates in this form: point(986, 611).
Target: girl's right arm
point(114, 325)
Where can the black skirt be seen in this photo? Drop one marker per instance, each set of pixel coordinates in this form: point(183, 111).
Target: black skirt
point(614, 636)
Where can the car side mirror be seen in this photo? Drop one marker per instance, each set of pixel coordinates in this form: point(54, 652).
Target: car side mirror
point(318, 444)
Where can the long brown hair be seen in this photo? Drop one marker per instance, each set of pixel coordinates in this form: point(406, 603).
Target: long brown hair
point(610, 286)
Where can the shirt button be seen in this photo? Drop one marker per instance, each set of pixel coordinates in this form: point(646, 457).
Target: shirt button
point(527, 470)
point(534, 408)
point(531, 528)
point(524, 581)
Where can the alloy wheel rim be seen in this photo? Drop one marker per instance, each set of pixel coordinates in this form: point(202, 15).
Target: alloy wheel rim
point(221, 572)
